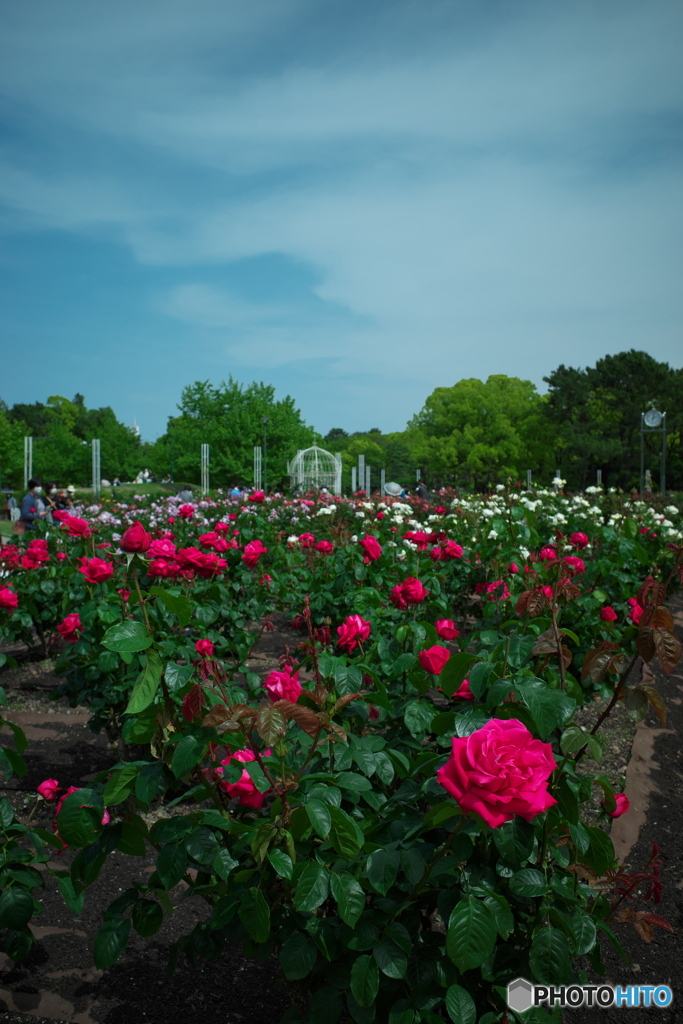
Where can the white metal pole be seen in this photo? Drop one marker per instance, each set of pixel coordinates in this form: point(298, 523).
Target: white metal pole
point(28, 460)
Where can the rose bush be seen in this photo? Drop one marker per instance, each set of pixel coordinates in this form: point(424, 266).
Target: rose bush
point(404, 850)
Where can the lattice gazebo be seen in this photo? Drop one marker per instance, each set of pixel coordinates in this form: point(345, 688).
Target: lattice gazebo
point(314, 468)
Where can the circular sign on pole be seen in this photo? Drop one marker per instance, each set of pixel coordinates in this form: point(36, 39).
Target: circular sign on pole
point(652, 418)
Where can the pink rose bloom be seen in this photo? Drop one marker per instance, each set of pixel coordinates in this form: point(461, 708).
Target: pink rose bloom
point(48, 789)
point(135, 539)
point(608, 614)
point(76, 527)
point(244, 789)
point(580, 540)
point(8, 599)
point(325, 547)
point(463, 692)
point(575, 563)
point(497, 591)
point(252, 552)
point(204, 648)
point(257, 497)
point(636, 613)
point(372, 549)
point(96, 570)
point(445, 628)
point(161, 548)
point(124, 594)
point(434, 659)
point(500, 771)
point(61, 556)
point(623, 804)
point(547, 554)
point(70, 627)
point(283, 685)
point(306, 540)
point(186, 511)
point(353, 630)
point(513, 568)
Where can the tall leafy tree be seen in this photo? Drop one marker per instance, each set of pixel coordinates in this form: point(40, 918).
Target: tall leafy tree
point(232, 419)
point(477, 433)
point(596, 413)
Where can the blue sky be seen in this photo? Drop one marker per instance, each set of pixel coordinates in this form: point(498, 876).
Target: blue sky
point(354, 201)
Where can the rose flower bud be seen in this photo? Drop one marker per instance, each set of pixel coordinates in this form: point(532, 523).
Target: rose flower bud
point(135, 539)
point(608, 614)
point(434, 659)
point(48, 789)
point(204, 648)
point(623, 803)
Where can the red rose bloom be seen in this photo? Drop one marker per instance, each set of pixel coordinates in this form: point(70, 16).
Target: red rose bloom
point(579, 540)
point(499, 771)
point(48, 789)
point(325, 547)
point(135, 539)
point(623, 804)
point(547, 554)
point(8, 599)
point(161, 548)
point(252, 552)
point(608, 614)
point(445, 628)
point(463, 692)
point(205, 648)
point(434, 659)
point(413, 591)
point(353, 630)
point(283, 685)
point(244, 789)
point(257, 497)
point(186, 511)
point(575, 564)
point(76, 527)
point(372, 549)
point(96, 570)
point(70, 627)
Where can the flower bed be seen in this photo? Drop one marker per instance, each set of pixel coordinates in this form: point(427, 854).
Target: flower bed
point(396, 811)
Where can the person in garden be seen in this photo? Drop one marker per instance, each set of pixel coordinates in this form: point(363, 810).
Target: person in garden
point(421, 491)
point(33, 508)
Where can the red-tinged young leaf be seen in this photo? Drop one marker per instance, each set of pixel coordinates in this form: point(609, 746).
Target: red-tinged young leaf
point(271, 724)
point(662, 619)
point(346, 699)
point(644, 929)
point(656, 700)
point(546, 643)
point(645, 643)
point(635, 702)
point(668, 649)
point(304, 717)
point(661, 922)
point(193, 702)
point(216, 716)
point(536, 604)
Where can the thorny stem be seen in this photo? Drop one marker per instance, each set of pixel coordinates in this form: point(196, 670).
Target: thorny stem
point(558, 636)
point(140, 597)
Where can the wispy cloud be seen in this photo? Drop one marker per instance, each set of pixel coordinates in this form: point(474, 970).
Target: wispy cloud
point(493, 186)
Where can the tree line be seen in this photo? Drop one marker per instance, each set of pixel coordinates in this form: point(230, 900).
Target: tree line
point(471, 435)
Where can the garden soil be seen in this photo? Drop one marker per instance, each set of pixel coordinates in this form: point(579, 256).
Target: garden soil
point(58, 982)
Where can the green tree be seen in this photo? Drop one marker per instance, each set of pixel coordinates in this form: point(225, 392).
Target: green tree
point(596, 415)
point(230, 418)
point(478, 433)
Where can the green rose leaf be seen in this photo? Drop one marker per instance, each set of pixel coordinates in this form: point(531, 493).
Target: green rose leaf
point(146, 684)
point(349, 896)
point(110, 941)
point(365, 980)
point(471, 934)
point(128, 636)
point(460, 1005)
point(254, 913)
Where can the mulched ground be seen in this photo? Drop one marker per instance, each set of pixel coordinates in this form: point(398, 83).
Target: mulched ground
point(57, 981)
